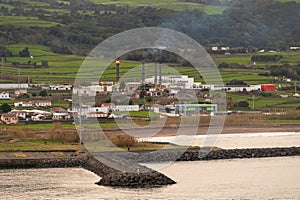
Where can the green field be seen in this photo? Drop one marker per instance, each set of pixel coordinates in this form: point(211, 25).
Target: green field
point(64, 68)
point(25, 21)
point(22, 144)
point(266, 103)
point(167, 4)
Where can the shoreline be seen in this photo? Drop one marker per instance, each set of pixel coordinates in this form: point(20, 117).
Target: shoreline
point(202, 130)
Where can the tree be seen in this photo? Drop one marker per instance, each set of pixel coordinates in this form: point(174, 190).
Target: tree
point(243, 104)
point(5, 108)
point(43, 93)
point(24, 53)
point(236, 82)
point(142, 94)
point(149, 99)
point(45, 63)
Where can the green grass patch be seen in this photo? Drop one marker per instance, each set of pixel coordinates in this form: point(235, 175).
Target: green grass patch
point(24, 144)
point(25, 21)
point(167, 4)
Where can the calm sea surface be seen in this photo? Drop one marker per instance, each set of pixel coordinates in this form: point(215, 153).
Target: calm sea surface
point(264, 178)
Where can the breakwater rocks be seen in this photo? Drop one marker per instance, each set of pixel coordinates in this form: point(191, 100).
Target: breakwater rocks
point(197, 154)
point(192, 155)
point(134, 180)
point(142, 176)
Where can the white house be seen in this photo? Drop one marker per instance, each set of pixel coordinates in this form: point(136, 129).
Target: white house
point(42, 103)
point(126, 108)
point(61, 87)
point(4, 95)
point(96, 114)
point(61, 116)
point(39, 103)
point(38, 117)
point(23, 104)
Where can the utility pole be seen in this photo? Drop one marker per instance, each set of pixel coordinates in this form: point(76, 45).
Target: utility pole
point(80, 123)
point(253, 96)
point(2, 69)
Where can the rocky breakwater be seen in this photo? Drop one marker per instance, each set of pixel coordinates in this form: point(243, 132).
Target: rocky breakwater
point(135, 180)
point(196, 154)
point(133, 176)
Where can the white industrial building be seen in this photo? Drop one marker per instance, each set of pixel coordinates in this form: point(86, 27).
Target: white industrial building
point(233, 88)
point(61, 87)
point(10, 86)
point(126, 108)
point(93, 89)
point(175, 81)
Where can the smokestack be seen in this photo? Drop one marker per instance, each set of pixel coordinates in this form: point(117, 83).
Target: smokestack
point(160, 74)
point(117, 70)
point(155, 74)
point(143, 71)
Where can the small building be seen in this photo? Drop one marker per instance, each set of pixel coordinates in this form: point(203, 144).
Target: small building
point(21, 114)
point(38, 117)
point(12, 86)
point(9, 118)
point(4, 95)
point(268, 87)
point(63, 116)
point(96, 115)
point(126, 108)
point(61, 88)
point(20, 91)
point(37, 103)
point(109, 105)
point(195, 109)
point(42, 103)
point(23, 104)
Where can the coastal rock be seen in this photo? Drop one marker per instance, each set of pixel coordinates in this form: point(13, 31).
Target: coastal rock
point(135, 180)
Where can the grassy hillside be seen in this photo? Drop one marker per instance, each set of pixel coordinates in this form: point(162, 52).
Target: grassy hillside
point(167, 4)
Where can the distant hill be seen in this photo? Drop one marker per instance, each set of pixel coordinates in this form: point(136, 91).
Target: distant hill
point(76, 26)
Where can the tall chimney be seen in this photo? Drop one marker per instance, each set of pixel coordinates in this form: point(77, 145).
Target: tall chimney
point(160, 74)
point(143, 71)
point(117, 70)
point(155, 74)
